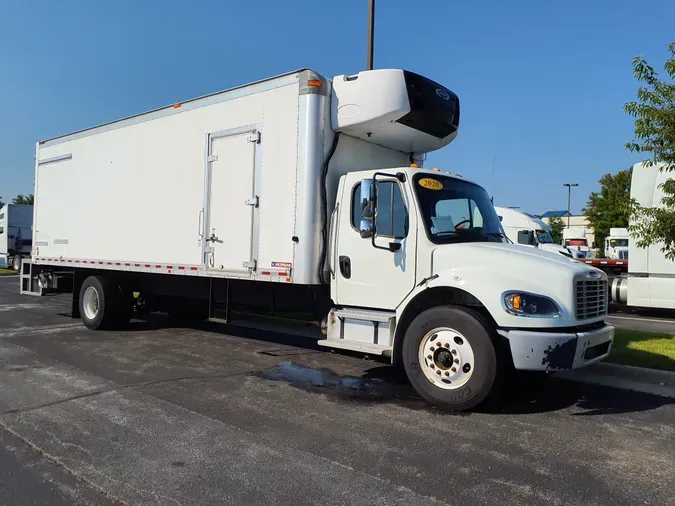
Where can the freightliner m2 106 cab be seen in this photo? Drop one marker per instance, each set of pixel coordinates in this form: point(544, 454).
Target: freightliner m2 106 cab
point(300, 193)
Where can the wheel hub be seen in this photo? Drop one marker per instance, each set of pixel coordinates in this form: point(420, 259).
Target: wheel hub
point(446, 358)
point(90, 302)
point(443, 358)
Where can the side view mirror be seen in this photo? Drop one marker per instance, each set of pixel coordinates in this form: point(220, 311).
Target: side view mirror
point(526, 237)
point(367, 199)
point(501, 218)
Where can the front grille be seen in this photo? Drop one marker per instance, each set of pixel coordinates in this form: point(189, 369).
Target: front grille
point(623, 255)
point(591, 298)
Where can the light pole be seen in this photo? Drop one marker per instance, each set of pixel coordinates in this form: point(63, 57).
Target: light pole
point(371, 34)
point(569, 198)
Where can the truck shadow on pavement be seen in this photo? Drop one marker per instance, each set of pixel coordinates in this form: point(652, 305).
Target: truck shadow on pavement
point(384, 383)
point(381, 382)
point(527, 396)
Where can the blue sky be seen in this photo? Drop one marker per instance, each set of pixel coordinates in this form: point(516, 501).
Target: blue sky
point(542, 84)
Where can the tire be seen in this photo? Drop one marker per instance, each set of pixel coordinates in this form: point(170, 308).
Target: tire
point(16, 264)
point(103, 304)
point(462, 372)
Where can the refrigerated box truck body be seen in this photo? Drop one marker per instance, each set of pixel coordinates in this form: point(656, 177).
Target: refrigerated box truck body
point(304, 193)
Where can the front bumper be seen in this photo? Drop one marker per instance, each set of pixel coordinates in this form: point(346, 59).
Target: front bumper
point(550, 351)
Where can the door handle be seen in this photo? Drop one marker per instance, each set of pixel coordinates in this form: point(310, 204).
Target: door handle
point(345, 267)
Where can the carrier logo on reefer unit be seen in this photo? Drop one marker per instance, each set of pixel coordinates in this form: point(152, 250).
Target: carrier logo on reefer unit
point(443, 93)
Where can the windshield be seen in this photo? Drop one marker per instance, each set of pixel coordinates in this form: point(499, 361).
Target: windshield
point(544, 237)
point(618, 243)
point(456, 211)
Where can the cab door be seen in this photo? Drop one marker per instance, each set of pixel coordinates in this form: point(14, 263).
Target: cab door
point(365, 275)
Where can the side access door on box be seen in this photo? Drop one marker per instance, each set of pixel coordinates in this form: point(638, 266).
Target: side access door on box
point(231, 195)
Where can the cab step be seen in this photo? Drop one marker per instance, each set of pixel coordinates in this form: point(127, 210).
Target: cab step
point(364, 330)
point(343, 344)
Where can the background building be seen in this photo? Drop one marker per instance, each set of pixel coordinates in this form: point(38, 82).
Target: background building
point(578, 222)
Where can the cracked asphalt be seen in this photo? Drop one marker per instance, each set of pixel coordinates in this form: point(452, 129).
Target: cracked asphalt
point(234, 416)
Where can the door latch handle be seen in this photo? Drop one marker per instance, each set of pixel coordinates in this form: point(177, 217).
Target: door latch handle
point(345, 266)
point(213, 238)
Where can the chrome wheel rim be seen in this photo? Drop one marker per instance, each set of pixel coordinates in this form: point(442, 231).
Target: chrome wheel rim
point(90, 302)
point(446, 358)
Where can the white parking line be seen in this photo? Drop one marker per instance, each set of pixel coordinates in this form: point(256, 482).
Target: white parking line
point(640, 319)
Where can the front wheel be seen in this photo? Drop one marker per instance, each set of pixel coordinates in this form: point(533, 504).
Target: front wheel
point(450, 358)
point(16, 264)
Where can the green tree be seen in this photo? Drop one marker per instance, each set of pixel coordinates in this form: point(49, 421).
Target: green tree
point(610, 207)
point(654, 113)
point(23, 200)
point(557, 226)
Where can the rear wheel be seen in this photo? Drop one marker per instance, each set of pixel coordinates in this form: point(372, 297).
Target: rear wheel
point(16, 264)
point(450, 358)
point(103, 304)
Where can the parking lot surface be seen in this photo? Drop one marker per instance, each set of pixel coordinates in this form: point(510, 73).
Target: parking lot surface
point(222, 415)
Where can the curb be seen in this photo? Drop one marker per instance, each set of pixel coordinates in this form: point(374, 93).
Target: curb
point(625, 377)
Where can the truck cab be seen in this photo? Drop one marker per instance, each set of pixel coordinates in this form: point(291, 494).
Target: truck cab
point(15, 234)
point(576, 241)
point(420, 265)
point(616, 244)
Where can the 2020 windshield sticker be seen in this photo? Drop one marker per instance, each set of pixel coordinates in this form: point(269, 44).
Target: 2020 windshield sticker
point(430, 184)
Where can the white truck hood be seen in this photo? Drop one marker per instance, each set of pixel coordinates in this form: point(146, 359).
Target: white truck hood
point(488, 270)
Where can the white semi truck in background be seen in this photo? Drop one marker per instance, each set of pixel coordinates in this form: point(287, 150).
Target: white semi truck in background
point(305, 194)
point(528, 230)
point(650, 282)
point(16, 234)
point(574, 238)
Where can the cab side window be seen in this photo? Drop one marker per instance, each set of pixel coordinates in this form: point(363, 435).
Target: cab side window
point(392, 215)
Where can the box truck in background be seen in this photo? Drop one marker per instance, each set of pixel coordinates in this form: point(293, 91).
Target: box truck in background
point(523, 228)
point(16, 234)
point(301, 193)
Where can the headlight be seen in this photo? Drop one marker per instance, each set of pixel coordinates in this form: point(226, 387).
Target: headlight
point(527, 304)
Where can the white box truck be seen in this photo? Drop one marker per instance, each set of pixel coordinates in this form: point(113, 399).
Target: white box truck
point(528, 230)
point(650, 282)
point(304, 194)
point(16, 234)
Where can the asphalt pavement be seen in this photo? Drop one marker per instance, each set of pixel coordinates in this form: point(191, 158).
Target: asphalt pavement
point(224, 415)
point(645, 320)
